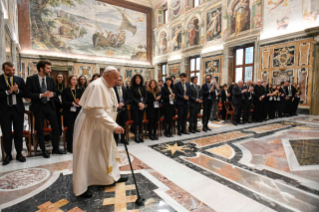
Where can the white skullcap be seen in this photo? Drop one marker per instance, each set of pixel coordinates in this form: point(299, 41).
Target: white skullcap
point(109, 69)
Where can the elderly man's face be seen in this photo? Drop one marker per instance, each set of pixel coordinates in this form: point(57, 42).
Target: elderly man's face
point(111, 77)
point(240, 84)
point(259, 82)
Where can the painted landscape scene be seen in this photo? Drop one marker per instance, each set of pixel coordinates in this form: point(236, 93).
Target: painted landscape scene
point(88, 27)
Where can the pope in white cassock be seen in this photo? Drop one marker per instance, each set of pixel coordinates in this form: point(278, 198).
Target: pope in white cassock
point(95, 155)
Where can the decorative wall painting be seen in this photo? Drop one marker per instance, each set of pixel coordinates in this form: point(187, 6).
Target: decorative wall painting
point(174, 70)
point(8, 47)
point(193, 32)
point(240, 19)
point(303, 81)
point(264, 76)
point(86, 71)
point(304, 54)
point(128, 73)
point(162, 43)
point(176, 38)
point(214, 24)
point(282, 76)
point(212, 66)
point(32, 68)
point(5, 5)
point(176, 7)
point(88, 27)
point(265, 57)
point(138, 71)
point(284, 56)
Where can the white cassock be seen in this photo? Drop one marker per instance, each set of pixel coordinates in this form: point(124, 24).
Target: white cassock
point(95, 155)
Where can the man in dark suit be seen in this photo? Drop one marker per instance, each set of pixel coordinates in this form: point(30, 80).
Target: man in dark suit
point(248, 98)
point(238, 96)
point(208, 101)
point(258, 97)
point(291, 92)
point(12, 111)
point(182, 92)
point(123, 100)
point(282, 99)
point(40, 88)
point(195, 103)
point(264, 109)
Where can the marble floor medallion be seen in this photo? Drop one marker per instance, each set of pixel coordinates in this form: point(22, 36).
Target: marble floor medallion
point(23, 179)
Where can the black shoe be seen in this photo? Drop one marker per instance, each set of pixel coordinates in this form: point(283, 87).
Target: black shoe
point(20, 158)
point(46, 154)
point(70, 150)
point(155, 137)
point(141, 139)
point(196, 130)
point(184, 132)
point(208, 128)
point(7, 160)
point(170, 135)
point(58, 151)
point(167, 135)
point(122, 179)
point(123, 141)
point(151, 137)
point(137, 140)
point(179, 133)
point(205, 129)
point(192, 131)
point(87, 194)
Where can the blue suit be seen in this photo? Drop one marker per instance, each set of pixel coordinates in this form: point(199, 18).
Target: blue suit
point(182, 104)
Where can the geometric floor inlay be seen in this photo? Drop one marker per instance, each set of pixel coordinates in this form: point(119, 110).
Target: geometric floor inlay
point(306, 151)
point(224, 151)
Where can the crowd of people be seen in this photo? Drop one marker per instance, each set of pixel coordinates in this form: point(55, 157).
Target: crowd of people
point(52, 99)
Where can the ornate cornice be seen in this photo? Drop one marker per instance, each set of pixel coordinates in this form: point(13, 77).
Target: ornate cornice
point(314, 31)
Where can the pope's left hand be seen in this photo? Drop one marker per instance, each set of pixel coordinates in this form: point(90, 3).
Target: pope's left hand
point(119, 130)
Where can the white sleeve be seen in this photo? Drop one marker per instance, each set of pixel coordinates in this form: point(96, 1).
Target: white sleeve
point(101, 116)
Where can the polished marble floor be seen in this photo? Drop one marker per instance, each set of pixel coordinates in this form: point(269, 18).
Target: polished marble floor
point(268, 166)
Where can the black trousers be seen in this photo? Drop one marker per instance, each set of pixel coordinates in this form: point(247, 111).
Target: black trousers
point(295, 106)
point(281, 107)
point(288, 106)
point(70, 118)
point(246, 111)
point(223, 112)
point(207, 110)
point(153, 121)
point(58, 108)
point(169, 113)
point(257, 115)
point(264, 109)
point(237, 112)
point(193, 116)
point(138, 116)
point(47, 112)
point(182, 111)
point(272, 106)
point(12, 116)
point(120, 120)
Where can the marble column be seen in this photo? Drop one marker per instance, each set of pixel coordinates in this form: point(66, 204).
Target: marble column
point(14, 56)
point(314, 107)
point(2, 40)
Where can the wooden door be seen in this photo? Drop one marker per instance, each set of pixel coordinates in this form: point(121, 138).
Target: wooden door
point(65, 74)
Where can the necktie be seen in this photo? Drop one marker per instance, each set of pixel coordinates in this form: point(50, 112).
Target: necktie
point(184, 87)
point(10, 96)
point(43, 90)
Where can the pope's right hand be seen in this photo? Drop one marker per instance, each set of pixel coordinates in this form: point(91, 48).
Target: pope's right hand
point(119, 130)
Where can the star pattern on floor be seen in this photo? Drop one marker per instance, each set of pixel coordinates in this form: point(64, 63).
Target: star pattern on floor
point(174, 148)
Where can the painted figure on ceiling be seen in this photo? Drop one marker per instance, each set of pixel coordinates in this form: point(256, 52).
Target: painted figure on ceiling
point(193, 32)
point(241, 16)
point(213, 25)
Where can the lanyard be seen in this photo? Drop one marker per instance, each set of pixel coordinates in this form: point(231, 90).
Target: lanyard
point(74, 94)
point(170, 90)
point(139, 91)
point(8, 81)
point(59, 88)
point(154, 95)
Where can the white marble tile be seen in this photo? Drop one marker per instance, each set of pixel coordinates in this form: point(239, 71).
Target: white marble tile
point(253, 207)
point(233, 203)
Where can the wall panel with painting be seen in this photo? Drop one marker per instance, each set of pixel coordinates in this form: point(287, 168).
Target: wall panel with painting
point(174, 70)
point(288, 61)
point(129, 72)
point(212, 66)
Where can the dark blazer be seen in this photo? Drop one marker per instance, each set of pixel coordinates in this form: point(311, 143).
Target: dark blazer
point(205, 92)
point(223, 96)
point(193, 96)
point(259, 91)
point(4, 97)
point(293, 91)
point(33, 91)
point(165, 95)
point(126, 98)
point(67, 99)
point(136, 97)
point(179, 91)
point(150, 105)
point(237, 96)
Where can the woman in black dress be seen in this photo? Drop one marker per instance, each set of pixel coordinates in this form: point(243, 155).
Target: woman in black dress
point(139, 98)
point(71, 108)
point(153, 109)
point(60, 85)
point(168, 97)
point(82, 83)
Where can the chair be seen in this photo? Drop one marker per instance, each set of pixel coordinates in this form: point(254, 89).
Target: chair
point(27, 134)
point(128, 123)
point(220, 108)
point(229, 106)
point(47, 130)
point(160, 126)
